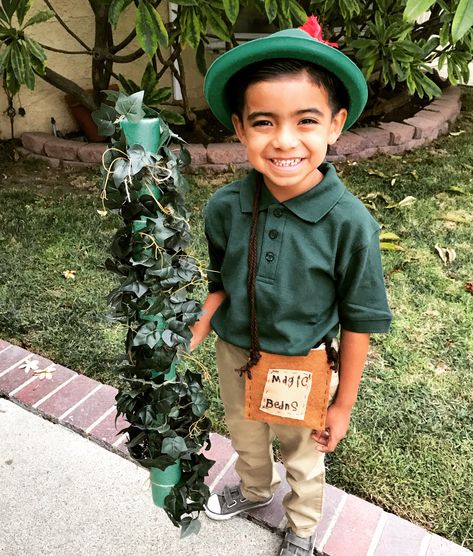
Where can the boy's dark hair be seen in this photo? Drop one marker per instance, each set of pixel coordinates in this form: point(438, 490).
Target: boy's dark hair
point(267, 70)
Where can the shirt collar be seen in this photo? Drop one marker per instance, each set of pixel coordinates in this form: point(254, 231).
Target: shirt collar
point(310, 206)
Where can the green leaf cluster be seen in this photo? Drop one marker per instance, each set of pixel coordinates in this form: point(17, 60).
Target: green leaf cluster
point(21, 57)
point(163, 402)
point(401, 42)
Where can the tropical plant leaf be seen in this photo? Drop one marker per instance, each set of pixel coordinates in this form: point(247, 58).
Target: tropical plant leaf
point(40, 17)
point(150, 29)
point(22, 9)
point(172, 117)
point(298, 13)
point(216, 24)
point(148, 79)
point(271, 8)
point(200, 59)
point(463, 19)
point(17, 62)
point(232, 8)
point(116, 9)
point(415, 8)
point(191, 27)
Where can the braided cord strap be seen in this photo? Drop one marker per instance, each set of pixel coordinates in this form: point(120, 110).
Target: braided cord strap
point(255, 354)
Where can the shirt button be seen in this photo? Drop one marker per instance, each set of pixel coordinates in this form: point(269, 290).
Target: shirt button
point(278, 212)
point(273, 234)
point(270, 257)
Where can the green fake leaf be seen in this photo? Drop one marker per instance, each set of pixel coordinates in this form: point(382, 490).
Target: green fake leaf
point(131, 107)
point(105, 117)
point(174, 447)
point(463, 19)
point(189, 526)
point(199, 404)
point(232, 8)
point(139, 158)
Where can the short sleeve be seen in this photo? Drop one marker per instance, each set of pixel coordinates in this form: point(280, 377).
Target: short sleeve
point(362, 304)
point(215, 264)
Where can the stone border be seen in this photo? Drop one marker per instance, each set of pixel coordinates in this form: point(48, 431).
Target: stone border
point(389, 138)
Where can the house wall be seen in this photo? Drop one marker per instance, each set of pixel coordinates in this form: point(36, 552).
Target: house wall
point(46, 101)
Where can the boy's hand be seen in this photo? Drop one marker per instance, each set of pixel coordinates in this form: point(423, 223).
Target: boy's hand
point(337, 423)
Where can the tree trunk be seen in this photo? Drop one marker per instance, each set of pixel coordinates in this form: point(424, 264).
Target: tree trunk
point(69, 87)
point(101, 67)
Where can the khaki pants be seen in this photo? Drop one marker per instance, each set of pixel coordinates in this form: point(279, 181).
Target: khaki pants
point(252, 440)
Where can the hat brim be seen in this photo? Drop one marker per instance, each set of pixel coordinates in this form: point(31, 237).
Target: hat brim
point(290, 43)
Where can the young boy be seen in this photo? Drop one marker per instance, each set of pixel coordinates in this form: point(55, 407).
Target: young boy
point(318, 266)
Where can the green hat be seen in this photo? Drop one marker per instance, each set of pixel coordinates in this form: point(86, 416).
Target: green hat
point(290, 43)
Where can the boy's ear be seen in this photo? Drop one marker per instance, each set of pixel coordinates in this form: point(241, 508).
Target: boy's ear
point(338, 121)
point(239, 130)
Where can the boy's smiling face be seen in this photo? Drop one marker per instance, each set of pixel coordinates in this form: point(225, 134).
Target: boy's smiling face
point(286, 126)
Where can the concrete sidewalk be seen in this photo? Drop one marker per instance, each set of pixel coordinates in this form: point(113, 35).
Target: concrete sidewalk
point(68, 487)
point(62, 494)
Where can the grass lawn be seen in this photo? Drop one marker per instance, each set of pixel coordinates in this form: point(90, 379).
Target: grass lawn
point(410, 446)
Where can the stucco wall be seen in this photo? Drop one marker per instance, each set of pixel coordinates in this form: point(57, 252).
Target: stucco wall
point(46, 101)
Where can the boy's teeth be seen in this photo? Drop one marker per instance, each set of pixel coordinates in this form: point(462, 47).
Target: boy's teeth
point(286, 161)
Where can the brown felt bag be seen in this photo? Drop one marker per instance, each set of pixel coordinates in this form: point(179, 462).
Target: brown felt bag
point(289, 390)
point(283, 389)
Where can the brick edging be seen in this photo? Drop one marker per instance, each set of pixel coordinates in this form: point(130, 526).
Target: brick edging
point(350, 525)
point(389, 138)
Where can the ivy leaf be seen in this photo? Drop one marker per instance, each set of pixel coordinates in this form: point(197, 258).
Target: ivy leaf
point(131, 106)
point(139, 158)
point(199, 404)
point(105, 117)
point(147, 335)
point(189, 526)
point(121, 169)
point(174, 447)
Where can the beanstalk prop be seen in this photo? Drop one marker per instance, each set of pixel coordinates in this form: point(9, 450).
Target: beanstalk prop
point(163, 403)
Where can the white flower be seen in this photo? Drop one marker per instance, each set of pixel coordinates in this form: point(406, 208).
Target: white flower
point(30, 365)
point(46, 373)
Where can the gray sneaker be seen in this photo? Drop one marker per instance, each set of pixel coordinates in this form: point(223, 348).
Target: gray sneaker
point(231, 502)
point(293, 545)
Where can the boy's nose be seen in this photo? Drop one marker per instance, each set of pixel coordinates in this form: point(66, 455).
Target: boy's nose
point(285, 138)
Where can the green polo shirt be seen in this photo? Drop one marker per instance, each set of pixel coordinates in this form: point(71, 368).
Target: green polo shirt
point(319, 265)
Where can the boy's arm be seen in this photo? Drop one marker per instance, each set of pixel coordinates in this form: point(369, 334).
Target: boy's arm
point(353, 352)
point(201, 329)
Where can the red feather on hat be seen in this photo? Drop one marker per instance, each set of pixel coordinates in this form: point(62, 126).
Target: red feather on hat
point(313, 28)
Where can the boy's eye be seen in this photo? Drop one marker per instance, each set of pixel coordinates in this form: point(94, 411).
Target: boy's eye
point(261, 123)
point(308, 121)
